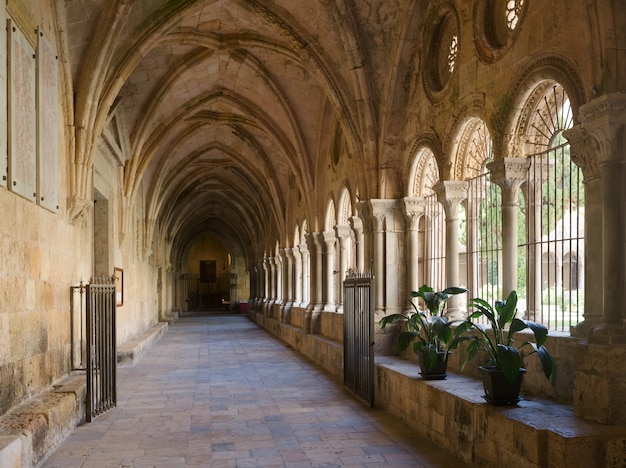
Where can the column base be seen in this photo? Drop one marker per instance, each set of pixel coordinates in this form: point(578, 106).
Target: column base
point(607, 334)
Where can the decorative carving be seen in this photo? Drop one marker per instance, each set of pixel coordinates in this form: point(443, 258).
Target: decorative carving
point(610, 106)
point(414, 209)
point(78, 210)
point(585, 152)
point(450, 193)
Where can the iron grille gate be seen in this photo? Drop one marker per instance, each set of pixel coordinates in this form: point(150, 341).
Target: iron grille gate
point(358, 333)
point(101, 347)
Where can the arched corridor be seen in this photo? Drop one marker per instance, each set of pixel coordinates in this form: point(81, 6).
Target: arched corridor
point(246, 156)
point(217, 391)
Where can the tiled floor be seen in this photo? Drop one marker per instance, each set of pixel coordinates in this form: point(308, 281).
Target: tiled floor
point(217, 391)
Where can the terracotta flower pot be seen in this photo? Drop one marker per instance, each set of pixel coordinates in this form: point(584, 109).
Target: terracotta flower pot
point(498, 389)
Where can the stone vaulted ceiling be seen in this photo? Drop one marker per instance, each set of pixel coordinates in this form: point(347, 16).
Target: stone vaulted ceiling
point(225, 107)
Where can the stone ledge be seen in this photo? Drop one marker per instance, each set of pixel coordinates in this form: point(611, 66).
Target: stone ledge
point(131, 352)
point(29, 432)
point(535, 433)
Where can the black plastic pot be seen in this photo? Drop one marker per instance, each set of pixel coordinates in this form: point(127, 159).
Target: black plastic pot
point(438, 371)
point(498, 389)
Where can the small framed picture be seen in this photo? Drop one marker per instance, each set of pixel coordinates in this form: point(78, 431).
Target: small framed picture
point(119, 287)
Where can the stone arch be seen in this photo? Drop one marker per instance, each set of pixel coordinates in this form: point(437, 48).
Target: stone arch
point(473, 149)
point(296, 235)
point(423, 173)
point(345, 206)
point(330, 219)
point(303, 231)
point(534, 83)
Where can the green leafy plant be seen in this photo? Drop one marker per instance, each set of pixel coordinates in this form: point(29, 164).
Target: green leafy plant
point(499, 342)
point(429, 330)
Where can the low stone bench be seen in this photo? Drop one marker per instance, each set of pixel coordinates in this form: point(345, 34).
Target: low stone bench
point(453, 413)
point(131, 352)
point(30, 431)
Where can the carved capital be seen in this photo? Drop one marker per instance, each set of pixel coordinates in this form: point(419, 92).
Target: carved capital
point(343, 231)
point(330, 238)
point(509, 174)
point(357, 225)
point(78, 210)
point(414, 209)
point(585, 152)
point(450, 193)
point(384, 213)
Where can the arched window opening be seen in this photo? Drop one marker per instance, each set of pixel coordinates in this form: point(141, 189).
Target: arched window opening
point(554, 217)
point(430, 256)
point(483, 212)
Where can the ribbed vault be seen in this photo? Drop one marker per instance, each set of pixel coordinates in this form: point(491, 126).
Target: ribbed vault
point(227, 107)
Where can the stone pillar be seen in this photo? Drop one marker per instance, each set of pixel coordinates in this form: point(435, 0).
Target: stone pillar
point(318, 281)
point(330, 240)
point(359, 250)
point(585, 152)
point(450, 194)
point(388, 256)
point(316, 284)
point(344, 235)
point(298, 277)
point(288, 293)
point(266, 279)
point(414, 210)
point(306, 274)
point(509, 174)
point(600, 142)
point(605, 121)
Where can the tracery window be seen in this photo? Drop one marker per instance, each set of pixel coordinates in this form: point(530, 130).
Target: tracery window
point(513, 13)
point(452, 54)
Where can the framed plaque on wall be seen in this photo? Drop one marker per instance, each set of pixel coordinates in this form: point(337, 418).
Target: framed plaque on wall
point(22, 114)
point(47, 124)
point(3, 98)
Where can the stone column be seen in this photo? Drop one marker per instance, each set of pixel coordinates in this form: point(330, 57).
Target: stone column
point(318, 264)
point(330, 240)
point(600, 149)
point(388, 255)
point(585, 152)
point(414, 210)
point(344, 235)
point(357, 226)
point(288, 293)
point(306, 274)
point(316, 283)
point(298, 277)
point(604, 120)
point(509, 174)
point(450, 194)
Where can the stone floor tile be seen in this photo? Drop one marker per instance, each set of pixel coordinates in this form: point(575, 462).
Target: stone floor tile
point(217, 391)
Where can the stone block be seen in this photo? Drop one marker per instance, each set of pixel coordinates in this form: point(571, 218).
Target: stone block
point(10, 452)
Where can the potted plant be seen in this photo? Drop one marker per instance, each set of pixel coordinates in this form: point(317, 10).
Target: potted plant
point(503, 372)
point(429, 330)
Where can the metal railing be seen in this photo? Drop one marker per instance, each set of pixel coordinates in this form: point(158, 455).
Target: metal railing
point(484, 239)
point(554, 245)
point(358, 336)
point(101, 346)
